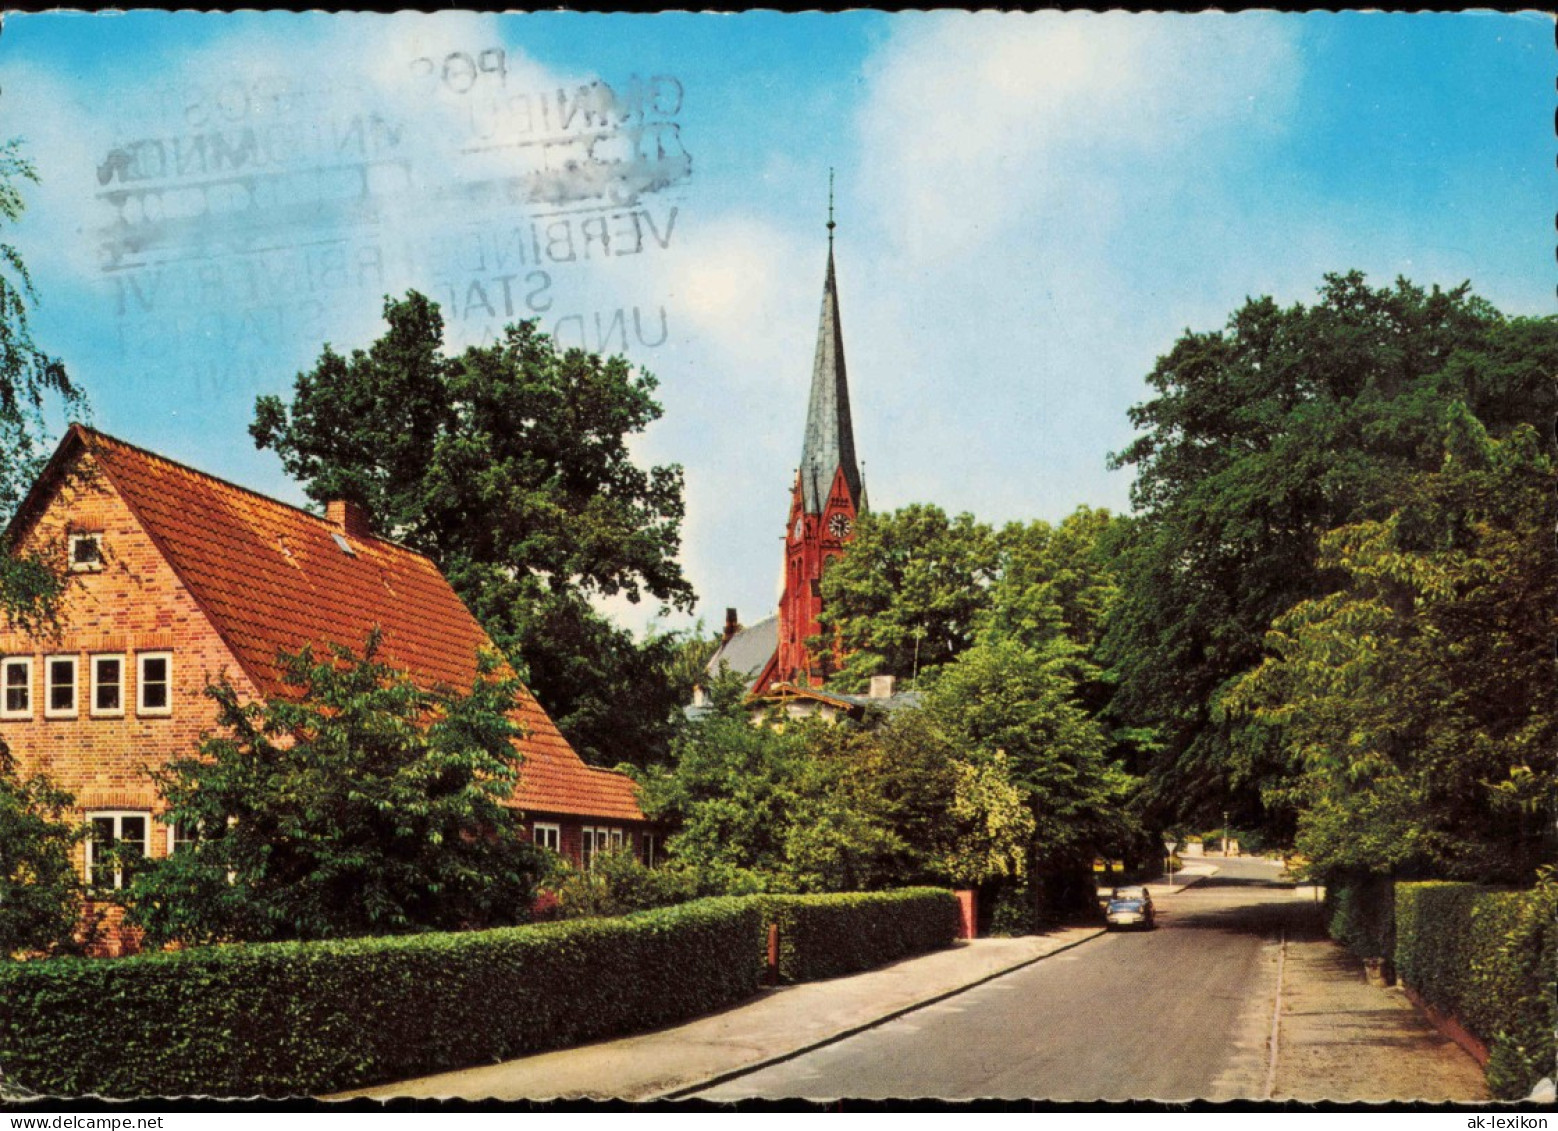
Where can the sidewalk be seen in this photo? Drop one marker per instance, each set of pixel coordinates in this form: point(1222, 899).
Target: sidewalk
point(1339, 1038)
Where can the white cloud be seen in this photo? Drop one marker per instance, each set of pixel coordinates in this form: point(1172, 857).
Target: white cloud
point(973, 118)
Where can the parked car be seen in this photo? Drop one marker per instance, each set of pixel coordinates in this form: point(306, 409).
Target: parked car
point(1129, 913)
point(1133, 891)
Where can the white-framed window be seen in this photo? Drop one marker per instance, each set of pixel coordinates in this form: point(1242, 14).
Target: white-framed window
point(60, 674)
point(86, 552)
point(547, 835)
point(107, 695)
point(16, 687)
point(649, 849)
point(597, 841)
point(154, 683)
point(181, 837)
point(116, 843)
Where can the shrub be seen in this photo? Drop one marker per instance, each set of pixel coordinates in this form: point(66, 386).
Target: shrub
point(1014, 909)
point(282, 1018)
point(620, 885)
point(1490, 958)
point(40, 893)
point(824, 936)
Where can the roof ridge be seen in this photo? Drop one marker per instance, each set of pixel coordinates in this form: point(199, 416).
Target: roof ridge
point(88, 434)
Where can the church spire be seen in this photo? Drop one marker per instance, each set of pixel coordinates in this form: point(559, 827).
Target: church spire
point(830, 436)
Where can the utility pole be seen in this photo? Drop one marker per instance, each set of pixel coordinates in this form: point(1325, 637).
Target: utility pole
point(1225, 834)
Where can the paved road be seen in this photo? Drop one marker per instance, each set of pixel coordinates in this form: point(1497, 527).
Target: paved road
point(1173, 1014)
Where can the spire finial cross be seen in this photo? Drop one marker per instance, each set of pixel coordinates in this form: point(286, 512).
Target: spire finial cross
point(831, 224)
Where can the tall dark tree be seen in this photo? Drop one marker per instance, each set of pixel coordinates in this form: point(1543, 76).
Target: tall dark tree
point(30, 380)
point(509, 466)
point(39, 890)
point(1417, 700)
point(1261, 437)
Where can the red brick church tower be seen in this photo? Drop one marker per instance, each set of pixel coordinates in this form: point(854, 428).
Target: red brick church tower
point(827, 497)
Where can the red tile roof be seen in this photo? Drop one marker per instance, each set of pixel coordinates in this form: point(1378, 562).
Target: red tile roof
point(271, 576)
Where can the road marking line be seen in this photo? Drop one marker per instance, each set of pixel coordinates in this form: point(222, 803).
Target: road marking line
point(1276, 1019)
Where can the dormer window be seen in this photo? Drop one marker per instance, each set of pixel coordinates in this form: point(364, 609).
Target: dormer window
point(86, 552)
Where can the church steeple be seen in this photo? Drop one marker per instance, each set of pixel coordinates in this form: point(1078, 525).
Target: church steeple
point(830, 436)
point(827, 498)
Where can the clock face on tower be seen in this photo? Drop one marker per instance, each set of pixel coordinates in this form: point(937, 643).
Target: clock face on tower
point(839, 526)
point(800, 528)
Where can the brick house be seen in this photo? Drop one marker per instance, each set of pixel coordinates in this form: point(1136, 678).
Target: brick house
point(176, 576)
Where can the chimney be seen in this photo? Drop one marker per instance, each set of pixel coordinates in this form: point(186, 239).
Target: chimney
point(881, 687)
point(732, 625)
point(348, 517)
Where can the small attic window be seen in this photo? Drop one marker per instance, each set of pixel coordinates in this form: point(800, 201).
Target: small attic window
point(346, 547)
point(86, 552)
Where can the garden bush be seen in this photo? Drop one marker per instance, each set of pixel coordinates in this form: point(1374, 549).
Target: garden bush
point(1490, 959)
point(825, 936)
point(1014, 909)
point(619, 885)
point(313, 1017)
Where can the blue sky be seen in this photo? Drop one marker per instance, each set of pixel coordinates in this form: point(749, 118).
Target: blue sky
point(1031, 208)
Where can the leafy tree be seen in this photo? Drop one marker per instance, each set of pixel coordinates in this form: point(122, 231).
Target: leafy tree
point(1018, 704)
point(1416, 701)
point(40, 896)
point(30, 379)
point(1054, 581)
point(990, 826)
point(774, 807)
point(1259, 439)
point(363, 805)
point(509, 466)
point(40, 893)
point(728, 791)
point(616, 698)
point(956, 812)
point(1014, 616)
point(691, 653)
point(909, 594)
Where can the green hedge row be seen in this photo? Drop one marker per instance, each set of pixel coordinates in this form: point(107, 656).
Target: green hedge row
point(1490, 958)
point(288, 1018)
point(825, 936)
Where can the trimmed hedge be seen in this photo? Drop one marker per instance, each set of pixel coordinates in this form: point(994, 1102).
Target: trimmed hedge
point(1490, 958)
point(1360, 914)
point(287, 1018)
point(825, 936)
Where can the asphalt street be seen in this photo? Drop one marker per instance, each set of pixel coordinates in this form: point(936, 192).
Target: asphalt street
point(1171, 1014)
